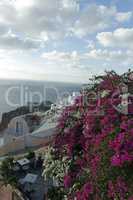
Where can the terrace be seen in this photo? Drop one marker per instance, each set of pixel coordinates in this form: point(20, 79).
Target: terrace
point(26, 175)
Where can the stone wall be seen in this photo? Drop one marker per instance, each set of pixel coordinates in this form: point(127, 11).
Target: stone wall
point(21, 143)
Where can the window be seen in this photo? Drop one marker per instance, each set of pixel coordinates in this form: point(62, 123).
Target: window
point(17, 127)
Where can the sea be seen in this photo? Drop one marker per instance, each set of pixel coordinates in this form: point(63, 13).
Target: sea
point(17, 93)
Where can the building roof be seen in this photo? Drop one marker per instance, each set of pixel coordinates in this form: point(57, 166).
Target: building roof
point(23, 161)
point(30, 178)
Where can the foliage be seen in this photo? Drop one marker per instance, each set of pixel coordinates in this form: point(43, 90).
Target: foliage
point(53, 167)
point(56, 193)
point(6, 171)
point(96, 136)
point(30, 155)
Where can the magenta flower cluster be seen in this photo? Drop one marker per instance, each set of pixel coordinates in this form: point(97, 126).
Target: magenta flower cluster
point(97, 138)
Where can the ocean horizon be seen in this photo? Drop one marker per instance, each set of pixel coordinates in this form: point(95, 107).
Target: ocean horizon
point(17, 93)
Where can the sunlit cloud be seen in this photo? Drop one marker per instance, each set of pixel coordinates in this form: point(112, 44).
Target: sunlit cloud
point(63, 40)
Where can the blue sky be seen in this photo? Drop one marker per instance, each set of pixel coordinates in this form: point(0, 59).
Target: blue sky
point(65, 40)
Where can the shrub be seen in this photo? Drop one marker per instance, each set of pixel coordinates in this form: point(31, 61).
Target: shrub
point(56, 193)
point(6, 172)
point(30, 155)
point(96, 136)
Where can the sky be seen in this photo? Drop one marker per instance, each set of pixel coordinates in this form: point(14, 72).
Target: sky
point(65, 40)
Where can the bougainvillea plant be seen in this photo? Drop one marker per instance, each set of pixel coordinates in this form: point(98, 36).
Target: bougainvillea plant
point(95, 134)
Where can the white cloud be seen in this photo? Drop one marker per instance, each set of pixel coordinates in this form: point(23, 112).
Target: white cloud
point(57, 19)
point(61, 56)
point(19, 4)
point(39, 19)
point(112, 58)
point(93, 57)
point(31, 24)
point(98, 17)
point(123, 17)
point(106, 54)
point(120, 38)
point(92, 19)
point(12, 41)
point(69, 62)
point(51, 18)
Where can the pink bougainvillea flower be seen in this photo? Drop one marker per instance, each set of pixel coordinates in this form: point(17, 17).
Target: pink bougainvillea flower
point(130, 198)
point(97, 139)
point(116, 160)
point(67, 181)
point(87, 190)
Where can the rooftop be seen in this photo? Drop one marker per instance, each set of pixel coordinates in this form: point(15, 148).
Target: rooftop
point(30, 178)
point(23, 161)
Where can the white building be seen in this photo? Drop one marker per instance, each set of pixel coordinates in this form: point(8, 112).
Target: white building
point(18, 127)
point(66, 100)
